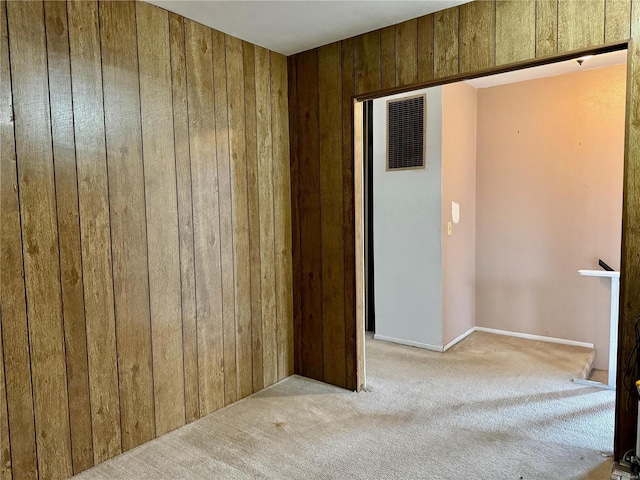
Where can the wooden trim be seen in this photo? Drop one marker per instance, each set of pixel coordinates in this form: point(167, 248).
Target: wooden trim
point(459, 77)
point(358, 174)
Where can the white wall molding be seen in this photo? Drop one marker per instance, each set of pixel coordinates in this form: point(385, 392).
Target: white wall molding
point(409, 343)
point(539, 338)
point(458, 339)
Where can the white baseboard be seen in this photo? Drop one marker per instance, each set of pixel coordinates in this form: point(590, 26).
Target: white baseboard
point(457, 339)
point(535, 337)
point(426, 346)
point(527, 336)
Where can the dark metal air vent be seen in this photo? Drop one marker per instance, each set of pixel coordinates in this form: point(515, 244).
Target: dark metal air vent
point(406, 133)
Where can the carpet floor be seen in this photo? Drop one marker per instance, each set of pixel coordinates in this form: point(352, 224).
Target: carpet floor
point(492, 407)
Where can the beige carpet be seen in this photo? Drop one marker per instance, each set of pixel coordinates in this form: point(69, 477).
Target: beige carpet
point(492, 407)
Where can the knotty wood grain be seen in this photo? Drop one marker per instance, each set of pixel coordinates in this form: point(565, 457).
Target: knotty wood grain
point(161, 216)
point(617, 20)
point(445, 43)
point(206, 232)
point(477, 35)
point(267, 235)
point(331, 207)
point(253, 198)
point(515, 31)
point(185, 217)
point(15, 335)
point(388, 57)
point(580, 24)
point(282, 214)
point(407, 52)
point(310, 219)
point(128, 220)
point(38, 216)
point(69, 233)
point(425, 48)
point(295, 212)
point(86, 79)
point(367, 62)
point(546, 27)
point(226, 216)
point(240, 200)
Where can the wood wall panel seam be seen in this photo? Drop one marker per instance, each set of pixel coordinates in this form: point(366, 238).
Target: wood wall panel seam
point(141, 294)
point(161, 207)
point(348, 90)
point(282, 214)
point(204, 174)
point(295, 211)
point(123, 133)
point(185, 216)
point(226, 216)
point(86, 77)
point(267, 233)
point(72, 282)
point(239, 196)
point(15, 336)
point(331, 211)
point(254, 215)
point(33, 143)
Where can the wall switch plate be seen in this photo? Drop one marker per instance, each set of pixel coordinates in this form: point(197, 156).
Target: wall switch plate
point(449, 228)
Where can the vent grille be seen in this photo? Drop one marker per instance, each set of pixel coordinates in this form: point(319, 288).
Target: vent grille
point(405, 137)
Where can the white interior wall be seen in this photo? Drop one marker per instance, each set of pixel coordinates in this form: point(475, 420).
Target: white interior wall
point(407, 236)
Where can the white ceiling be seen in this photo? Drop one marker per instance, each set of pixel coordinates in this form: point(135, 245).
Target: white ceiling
point(550, 70)
point(294, 26)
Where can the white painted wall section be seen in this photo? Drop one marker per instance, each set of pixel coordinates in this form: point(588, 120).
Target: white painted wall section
point(407, 237)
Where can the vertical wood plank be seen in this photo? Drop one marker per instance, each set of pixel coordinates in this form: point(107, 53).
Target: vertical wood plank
point(265, 187)
point(477, 35)
point(515, 31)
point(185, 216)
point(625, 421)
point(69, 233)
point(310, 220)
point(226, 216)
point(128, 220)
point(254, 212)
point(162, 216)
point(225, 213)
point(240, 204)
point(348, 213)
point(407, 52)
point(546, 27)
point(445, 42)
point(580, 24)
point(30, 91)
point(367, 62)
point(86, 80)
point(5, 446)
point(425, 48)
point(295, 212)
point(388, 57)
point(331, 207)
point(617, 20)
point(206, 227)
point(282, 213)
point(15, 336)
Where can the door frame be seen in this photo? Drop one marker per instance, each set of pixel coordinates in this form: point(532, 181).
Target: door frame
point(358, 177)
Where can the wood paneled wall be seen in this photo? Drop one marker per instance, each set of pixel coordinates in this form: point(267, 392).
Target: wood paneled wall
point(145, 228)
point(463, 40)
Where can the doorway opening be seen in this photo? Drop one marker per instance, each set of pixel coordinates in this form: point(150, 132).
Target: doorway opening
point(524, 191)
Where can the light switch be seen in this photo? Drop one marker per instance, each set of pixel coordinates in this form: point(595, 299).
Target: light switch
point(449, 228)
